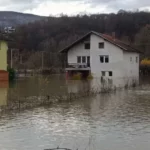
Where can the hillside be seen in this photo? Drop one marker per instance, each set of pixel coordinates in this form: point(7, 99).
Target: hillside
point(9, 18)
point(52, 34)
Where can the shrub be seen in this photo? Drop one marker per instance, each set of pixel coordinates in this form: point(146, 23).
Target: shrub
point(77, 76)
point(11, 72)
point(90, 77)
point(145, 61)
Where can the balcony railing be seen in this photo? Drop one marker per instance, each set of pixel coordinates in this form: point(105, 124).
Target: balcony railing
point(78, 65)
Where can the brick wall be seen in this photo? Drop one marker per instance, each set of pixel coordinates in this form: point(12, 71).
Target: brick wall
point(4, 75)
point(4, 84)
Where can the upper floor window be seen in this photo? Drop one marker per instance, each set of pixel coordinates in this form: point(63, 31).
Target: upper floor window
point(79, 59)
point(104, 59)
point(137, 59)
point(83, 59)
point(101, 45)
point(87, 45)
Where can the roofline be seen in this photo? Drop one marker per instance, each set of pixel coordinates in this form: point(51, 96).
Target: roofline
point(74, 43)
point(100, 35)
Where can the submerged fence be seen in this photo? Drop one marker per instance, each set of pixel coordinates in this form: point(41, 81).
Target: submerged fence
point(20, 98)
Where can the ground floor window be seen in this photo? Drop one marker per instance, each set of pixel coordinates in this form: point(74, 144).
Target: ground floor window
point(110, 73)
point(107, 73)
point(103, 73)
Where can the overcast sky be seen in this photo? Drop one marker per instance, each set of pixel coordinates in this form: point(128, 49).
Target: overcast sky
point(71, 7)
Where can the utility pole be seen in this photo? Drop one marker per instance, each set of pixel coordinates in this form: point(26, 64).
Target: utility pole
point(11, 51)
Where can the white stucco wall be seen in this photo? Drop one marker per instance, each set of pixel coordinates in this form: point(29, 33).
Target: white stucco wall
point(77, 50)
point(131, 67)
point(119, 61)
point(115, 58)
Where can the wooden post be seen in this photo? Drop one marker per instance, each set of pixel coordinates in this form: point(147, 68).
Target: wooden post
point(67, 75)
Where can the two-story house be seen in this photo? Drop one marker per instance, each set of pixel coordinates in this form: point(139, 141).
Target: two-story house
point(102, 55)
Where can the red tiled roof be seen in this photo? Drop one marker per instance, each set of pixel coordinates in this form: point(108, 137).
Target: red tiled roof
point(124, 45)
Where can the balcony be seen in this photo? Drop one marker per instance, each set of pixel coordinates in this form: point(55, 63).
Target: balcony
point(78, 66)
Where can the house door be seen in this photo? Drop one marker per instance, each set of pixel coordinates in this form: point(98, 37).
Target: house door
point(88, 61)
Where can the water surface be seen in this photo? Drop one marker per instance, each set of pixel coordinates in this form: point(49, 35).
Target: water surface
point(115, 121)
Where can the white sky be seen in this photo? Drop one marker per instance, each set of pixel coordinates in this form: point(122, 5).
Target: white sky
point(71, 7)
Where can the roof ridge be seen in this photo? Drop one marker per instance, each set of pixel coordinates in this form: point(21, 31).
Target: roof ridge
point(106, 37)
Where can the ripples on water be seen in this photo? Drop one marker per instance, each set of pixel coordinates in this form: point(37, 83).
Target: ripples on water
point(117, 121)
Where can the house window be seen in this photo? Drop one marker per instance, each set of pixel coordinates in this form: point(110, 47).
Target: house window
point(83, 59)
point(88, 61)
point(79, 59)
point(130, 59)
point(87, 45)
point(104, 59)
point(103, 73)
point(101, 45)
point(136, 59)
point(110, 73)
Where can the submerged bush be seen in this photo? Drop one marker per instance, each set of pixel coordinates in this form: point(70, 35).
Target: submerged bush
point(12, 73)
point(145, 61)
point(77, 76)
point(90, 77)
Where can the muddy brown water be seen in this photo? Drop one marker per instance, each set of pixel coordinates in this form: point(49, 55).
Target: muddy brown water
point(115, 121)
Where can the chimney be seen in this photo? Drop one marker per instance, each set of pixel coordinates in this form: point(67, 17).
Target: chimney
point(114, 36)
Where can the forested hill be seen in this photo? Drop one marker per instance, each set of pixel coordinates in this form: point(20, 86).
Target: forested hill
point(53, 33)
point(9, 18)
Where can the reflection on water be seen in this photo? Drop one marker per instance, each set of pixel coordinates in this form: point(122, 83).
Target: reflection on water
point(3, 93)
point(98, 83)
point(3, 96)
point(114, 121)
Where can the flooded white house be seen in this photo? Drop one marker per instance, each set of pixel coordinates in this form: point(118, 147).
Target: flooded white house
point(102, 56)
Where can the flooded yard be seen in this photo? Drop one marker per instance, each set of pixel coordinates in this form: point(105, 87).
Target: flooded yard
point(114, 121)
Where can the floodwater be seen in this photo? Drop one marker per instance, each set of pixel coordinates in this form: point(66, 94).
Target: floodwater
point(114, 121)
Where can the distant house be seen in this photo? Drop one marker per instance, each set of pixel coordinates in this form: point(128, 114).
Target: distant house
point(9, 29)
point(103, 56)
point(3, 58)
